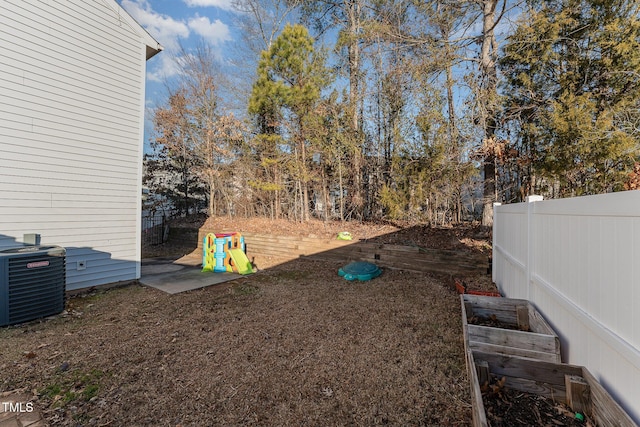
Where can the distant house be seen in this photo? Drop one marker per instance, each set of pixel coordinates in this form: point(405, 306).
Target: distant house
point(72, 78)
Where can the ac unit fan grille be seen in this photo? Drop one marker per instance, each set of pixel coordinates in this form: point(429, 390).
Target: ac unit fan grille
point(36, 286)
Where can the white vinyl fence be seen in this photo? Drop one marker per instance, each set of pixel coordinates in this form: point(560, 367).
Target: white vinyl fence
point(578, 261)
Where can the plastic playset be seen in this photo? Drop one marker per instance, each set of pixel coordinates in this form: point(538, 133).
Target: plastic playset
point(225, 253)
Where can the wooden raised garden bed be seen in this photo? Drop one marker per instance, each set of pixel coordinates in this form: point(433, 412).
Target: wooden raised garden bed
point(510, 390)
point(508, 326)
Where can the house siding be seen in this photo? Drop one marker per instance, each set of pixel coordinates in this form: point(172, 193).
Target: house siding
point(71, 118)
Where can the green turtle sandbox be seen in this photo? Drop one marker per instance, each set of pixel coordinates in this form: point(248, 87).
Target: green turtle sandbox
point(360, 270)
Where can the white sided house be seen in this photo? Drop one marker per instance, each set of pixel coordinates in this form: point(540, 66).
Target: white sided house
point(72, 78)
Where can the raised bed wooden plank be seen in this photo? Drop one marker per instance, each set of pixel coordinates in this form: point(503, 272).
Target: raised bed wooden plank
point(460, 257)
point(517, 343)
point(538, 342)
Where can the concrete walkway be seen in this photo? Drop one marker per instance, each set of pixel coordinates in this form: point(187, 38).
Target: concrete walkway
point(184, 274)
point(18, 410)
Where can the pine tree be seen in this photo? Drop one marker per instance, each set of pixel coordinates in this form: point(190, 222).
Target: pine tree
point(291, 76)
point(348, 18)
point(572, 84)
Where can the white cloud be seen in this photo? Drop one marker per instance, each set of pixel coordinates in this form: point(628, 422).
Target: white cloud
point(164, 67)
point(172, 33)
point(214, 32)
point(163, 28)
point(222, 4)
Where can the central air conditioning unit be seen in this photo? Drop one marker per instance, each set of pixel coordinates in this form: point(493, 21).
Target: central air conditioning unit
point(32, 283)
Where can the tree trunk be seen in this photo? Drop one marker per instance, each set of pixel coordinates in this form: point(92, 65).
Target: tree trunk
point(341, 187)
point(304, 190)
point(353, 48)
point(488, 56)
point(455, 144)
point(489, 192)
point(211, 196)
point(185, 180)
point(278, 214)
point(353, 14)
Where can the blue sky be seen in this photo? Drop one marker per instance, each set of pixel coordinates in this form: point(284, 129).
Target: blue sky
point(182, 22)
point(187, 22)
point(175, 22)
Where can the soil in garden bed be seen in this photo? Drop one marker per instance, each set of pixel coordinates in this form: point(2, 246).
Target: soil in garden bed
point(493, 322)
point(477, 285)
point(506, 407)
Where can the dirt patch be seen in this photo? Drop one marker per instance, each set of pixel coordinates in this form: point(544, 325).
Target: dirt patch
point(291, 345)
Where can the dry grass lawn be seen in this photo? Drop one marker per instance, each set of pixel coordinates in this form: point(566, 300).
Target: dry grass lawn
point(292, 345)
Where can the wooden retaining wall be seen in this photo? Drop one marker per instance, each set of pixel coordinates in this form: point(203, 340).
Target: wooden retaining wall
point(411, 258)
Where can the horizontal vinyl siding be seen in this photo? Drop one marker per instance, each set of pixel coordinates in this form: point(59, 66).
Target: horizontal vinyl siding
point(71, 90)
point(29, 166)
point(86, 45)
point(62, 143)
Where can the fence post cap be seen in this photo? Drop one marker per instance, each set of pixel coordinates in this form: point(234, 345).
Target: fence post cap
point(534, 198)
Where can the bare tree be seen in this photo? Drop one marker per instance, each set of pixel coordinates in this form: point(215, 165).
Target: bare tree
point(193, 126)
point(489, 101)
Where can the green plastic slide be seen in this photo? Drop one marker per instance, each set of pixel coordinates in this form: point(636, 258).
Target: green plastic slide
point(240, 261)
